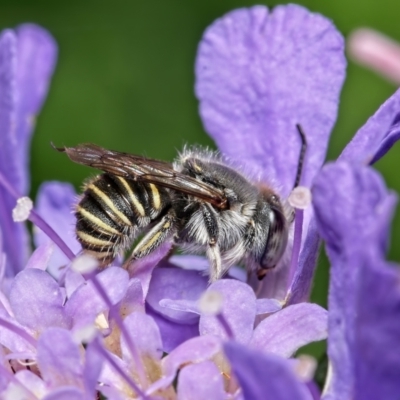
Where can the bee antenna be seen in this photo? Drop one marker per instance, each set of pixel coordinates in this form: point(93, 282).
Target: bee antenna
point(60, 149)
point(301, 156)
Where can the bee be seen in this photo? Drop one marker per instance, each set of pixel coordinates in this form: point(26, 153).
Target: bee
point(200, 203)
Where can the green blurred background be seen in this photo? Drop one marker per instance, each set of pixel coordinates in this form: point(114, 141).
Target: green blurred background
point(124, 80)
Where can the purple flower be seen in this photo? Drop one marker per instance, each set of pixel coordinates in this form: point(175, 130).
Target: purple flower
point(364, 292)
point(27, 59)
point(258, 75)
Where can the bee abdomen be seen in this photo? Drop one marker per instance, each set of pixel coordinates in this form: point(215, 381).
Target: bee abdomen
point(112, 211)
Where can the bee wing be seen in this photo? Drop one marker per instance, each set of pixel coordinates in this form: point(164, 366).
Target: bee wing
point(143, 169)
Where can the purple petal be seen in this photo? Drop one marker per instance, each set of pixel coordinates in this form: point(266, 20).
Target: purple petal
point(142, 269)
point(200, 263)
point(355, 228)
point(195, 350)
point(37, 54)
point(300, 287)
point(360, 206)
point(12, 341)
point(85, 303)
point(91, 370)
point(190, 262)
point(181, 305)
point(173, 334)
point(145, 335)
point(175, 284)
point(260, 74)
point(41, 256)
point(267, 306)
point(239, 309)
point(201, 381)
point(264, 376)
point(15, 235)
point(32, 382)
point(133, 300)
point(377, 331)
point(37, 301)
point(73, 280)
point(54, 203)
point(59, 359)
point(66, 393)
point(377, 136)
point(286, 331)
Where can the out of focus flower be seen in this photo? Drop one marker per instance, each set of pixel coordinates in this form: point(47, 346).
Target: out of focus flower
point(27, 60)
point(354, 212)
point(376, 51)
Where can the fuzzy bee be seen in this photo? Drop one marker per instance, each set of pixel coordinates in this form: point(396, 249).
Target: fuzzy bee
point(200, 203)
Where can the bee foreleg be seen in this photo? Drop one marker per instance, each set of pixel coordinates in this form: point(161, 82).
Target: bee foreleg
point(210, 218)
point(155, 237)
point(214, 256)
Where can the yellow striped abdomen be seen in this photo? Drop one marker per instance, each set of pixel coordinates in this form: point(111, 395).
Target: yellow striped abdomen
point(112, 211)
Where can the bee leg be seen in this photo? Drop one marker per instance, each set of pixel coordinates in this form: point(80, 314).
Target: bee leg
point(210, 219)
point(214, 256)
point(155, 237)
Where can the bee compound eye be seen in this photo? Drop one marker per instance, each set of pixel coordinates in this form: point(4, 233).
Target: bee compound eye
point(276, 241)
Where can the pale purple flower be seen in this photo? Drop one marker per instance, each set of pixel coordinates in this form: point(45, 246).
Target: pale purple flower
point(27, 59)
point(364, 292)
point(258, 74)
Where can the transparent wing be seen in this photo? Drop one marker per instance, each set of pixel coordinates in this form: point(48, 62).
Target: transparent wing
point(143, 169)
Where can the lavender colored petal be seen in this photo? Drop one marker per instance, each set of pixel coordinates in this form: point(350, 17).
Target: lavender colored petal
point(258, 75)
point(133, 300)
point(173, 334)
point(175, 284)
point(267, 306)
point(190, 262)
point(195, 350)
point(146, 336)
point(37, 55)
point(66, 393)
point(181, 305)
point(239, 309)
point(264, 376)
point(31, 381)
point(200, 263)
point(377, 136)
point(72, 281)
point(91, 370)
point(377, 331)
point(85, 303)
point(202, 381)
point(59, 358)
point(15, 235)
point(286, 331)
point(54, 204)
point(300, 287)
point(12, 341)
point(41, 256)
point(355, 228)
point(142, 269)
point(37, 301)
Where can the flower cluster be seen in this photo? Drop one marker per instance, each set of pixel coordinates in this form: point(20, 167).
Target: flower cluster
point(67, 332)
